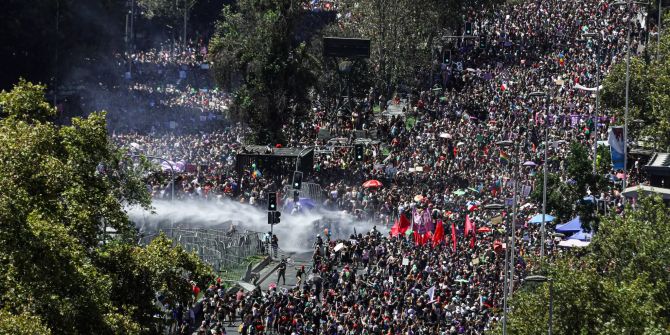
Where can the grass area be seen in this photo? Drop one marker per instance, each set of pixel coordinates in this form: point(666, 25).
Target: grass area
point(234, 273)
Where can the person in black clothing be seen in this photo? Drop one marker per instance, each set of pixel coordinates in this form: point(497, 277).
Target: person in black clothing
point(282, 271)
point(275, 245)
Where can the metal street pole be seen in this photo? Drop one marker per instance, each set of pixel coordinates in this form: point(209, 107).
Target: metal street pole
point(544, 182)
point(551, 306)
point(543, 279)
point(505, 280)
point(658, 37)
point(625, 127)
point(513, 232)
point(595, 113)
point(595, 116)
point(544, 169)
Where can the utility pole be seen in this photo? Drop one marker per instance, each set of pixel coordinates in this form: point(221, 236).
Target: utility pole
point(658, 37)
point(544, 182)
point(625, 127)
point(595, 114)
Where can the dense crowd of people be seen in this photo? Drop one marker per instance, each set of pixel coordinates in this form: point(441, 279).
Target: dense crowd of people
point(164, 89)
point(454, 148)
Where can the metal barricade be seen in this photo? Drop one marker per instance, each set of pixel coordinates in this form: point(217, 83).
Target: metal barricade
point(221, 249)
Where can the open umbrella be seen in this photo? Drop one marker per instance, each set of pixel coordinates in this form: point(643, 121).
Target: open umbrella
point(483, 230)
point(459, 192)
point(463, 281)
point(445, 135)
point(372, 183)
point(538, 218)
point(571, 243)
point(418, 197)
point(460, 144)
point(529, 163)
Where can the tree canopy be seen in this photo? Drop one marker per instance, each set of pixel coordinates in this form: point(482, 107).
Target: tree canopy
point(618, 285)
point(60, 187)
point(257, 39)
point(649, 103)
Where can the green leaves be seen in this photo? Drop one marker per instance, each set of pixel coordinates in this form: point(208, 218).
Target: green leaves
point(60, 187)
point(620, 286)
point(649, 96)
point(26, 102)
point(255, 40)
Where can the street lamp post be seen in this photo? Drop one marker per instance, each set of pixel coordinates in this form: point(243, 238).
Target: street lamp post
point(504, 321)
point(625, 127)
point(595, 114)
point(542, 279)
point(509, 263)
point(544, 171)
point(658, 36)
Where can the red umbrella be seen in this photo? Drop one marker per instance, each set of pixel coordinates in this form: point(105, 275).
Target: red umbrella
point(372, 183)
point(484, 230)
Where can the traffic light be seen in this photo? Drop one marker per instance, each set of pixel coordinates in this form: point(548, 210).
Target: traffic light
point(272, 201)
point(274, 217)
point(358, 151)
point(297, 180)
point(482, 42)
point(447, 59)
point(296, 197)
point(468, 28)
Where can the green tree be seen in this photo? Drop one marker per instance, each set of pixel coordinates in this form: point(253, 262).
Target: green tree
point(60, 187)
point(560, 196)
point(649, 113)
point(169, 9)
point(618, 286)
point(257, 40)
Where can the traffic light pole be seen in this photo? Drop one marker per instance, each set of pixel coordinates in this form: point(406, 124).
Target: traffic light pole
point(272, 234)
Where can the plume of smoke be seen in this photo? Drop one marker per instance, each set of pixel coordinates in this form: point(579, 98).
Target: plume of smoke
point(295, 232)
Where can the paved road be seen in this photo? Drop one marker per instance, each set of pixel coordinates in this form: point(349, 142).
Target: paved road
point(301, 258)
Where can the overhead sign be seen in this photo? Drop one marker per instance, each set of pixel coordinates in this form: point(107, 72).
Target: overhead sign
point(346, 47)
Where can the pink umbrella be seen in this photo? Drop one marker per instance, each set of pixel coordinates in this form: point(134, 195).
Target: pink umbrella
point(621, 175)
point(372, 183)
point(484, 230)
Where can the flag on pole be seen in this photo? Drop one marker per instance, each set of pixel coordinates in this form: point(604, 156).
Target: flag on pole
point(453, 236)
point(504, 158)
point(438, 237)
point(400, 226)
point(469, 227)
point(616, 142)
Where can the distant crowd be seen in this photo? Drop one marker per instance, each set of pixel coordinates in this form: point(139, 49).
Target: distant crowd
point(441, 155)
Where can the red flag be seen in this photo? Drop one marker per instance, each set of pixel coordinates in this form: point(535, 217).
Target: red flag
point(422, 239)
point(453, 235)
point(439, 234)
point(469, 227)
point(428, 237)
point(400, 226)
